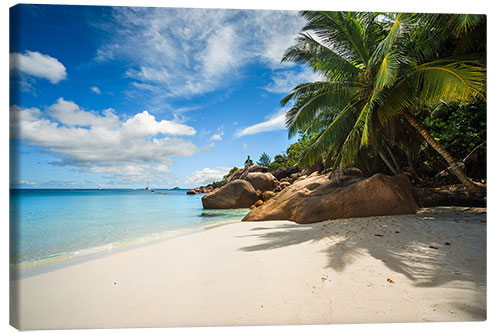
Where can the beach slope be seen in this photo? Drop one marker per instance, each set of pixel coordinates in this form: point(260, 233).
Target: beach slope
point(409, 268)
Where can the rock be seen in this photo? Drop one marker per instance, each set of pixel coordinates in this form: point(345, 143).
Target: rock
point(190, 192)
point(268, 195)
point(318, 199)
point(236, 175)
point(286, 171)
point(241, 173)
point(252, 207)
point(254, 168)
point(314, 174)
point(284, 184)
point(262, 181)
point(259, 203)
point(318, 166)
point(236, 194)
point(302, 178)
point(354, 172)
point(294, 177)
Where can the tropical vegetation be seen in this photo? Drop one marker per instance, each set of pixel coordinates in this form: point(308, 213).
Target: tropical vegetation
point(381, 74)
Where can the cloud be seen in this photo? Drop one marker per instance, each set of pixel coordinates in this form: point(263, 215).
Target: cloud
point(216, 137)
point(38, 65)
point(285, 80)
point(68, 113)
point(100, 142)
point(96, 90)
point(206, 176)
point(202, 48)
point(274, 123)
point(23, 182)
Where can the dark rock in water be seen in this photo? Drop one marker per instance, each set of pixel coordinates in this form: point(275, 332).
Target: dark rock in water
point(236, 194)
point(286, 171)
point(192, 191)
point(318, 198)
point(210, 214)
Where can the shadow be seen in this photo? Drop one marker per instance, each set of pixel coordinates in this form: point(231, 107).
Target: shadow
point(431, 248)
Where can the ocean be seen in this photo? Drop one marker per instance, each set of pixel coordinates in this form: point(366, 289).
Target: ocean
point(63, 224)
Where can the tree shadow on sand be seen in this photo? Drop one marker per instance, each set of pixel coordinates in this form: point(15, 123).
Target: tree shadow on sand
point(431, 248)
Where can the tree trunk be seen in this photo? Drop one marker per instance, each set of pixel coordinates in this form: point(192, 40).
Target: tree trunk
point(394, 160)
point(471, 187)
point(411, 165)
point(388, 162)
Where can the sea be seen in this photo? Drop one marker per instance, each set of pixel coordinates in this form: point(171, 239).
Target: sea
point(50, 227)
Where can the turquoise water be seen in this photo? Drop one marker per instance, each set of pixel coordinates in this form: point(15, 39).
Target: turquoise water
point(56, 223)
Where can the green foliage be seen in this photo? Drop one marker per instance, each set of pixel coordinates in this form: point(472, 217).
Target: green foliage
point(374, 65)
point(459, 127)
point(233, 170)
point(217, 184)
point(264, 160)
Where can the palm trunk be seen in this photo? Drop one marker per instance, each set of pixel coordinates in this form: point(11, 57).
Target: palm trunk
point(388, 162)
point(411, 165)
point(394, 160)
point(473, 188)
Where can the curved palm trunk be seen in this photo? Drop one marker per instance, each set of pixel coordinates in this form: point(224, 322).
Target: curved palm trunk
point(388, 162)
point(411, 165)
point(473, 188)
point(394, 160)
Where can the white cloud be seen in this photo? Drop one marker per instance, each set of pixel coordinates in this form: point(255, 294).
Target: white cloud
point(206, 176)
point(24, 182)
point(202, 48)
point(216, 137)
point(139, 147)
point(274, 123)
point(96, 90)
point(38, 65)
point(285, 80)
point(68, 113)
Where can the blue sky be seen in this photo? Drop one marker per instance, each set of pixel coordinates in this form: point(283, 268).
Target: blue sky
point(119, 96)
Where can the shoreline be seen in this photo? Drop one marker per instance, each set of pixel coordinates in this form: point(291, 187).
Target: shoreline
point(273, 273)
point(59, 261)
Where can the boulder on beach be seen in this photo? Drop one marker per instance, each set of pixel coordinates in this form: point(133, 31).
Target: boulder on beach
point(236, 194)
point(261, 181)
point(268, 195)
point(318, 198)
point(236, 175)
point(286, 171)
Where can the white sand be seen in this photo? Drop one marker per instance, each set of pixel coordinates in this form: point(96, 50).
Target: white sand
point(258, 273)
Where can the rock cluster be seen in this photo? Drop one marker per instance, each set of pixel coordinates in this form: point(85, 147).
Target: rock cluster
point(201, 189)
point(306, 196)
point(319, 198)
point(264, 183)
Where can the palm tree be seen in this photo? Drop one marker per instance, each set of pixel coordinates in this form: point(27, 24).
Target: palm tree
point(380, 66)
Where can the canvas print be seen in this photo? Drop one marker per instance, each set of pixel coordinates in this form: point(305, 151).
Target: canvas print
point(219, 167)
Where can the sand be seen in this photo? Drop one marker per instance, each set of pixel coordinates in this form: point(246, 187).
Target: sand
point(278, 272)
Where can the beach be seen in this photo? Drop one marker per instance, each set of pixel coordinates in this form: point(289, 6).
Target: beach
point(426, 267)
